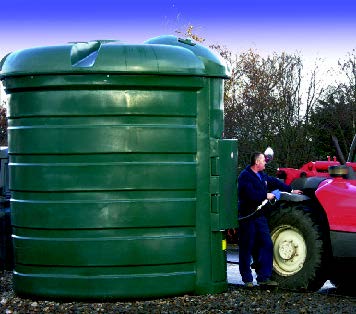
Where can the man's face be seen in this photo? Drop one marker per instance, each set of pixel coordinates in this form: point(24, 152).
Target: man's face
point(261, 163)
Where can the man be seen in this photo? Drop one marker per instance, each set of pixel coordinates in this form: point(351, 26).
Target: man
point(254, 236)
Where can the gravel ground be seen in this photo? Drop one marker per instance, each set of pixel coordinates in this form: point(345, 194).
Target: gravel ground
point(236, 300)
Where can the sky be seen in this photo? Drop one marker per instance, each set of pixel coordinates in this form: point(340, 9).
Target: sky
point(313, 28)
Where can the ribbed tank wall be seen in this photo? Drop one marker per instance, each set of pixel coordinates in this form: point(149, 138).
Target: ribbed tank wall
point(103, 180)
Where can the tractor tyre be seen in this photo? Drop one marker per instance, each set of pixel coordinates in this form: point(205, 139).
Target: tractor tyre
point(298, 250)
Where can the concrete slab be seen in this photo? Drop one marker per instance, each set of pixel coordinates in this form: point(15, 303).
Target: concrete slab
point(233, 273)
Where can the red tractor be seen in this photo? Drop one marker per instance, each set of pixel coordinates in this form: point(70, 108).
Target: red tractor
point(314, 234)
point(310, 169)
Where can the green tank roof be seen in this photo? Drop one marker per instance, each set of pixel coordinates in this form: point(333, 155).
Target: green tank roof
point(161, 55)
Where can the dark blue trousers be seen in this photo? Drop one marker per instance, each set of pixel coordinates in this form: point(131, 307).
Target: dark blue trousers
point(254, 237)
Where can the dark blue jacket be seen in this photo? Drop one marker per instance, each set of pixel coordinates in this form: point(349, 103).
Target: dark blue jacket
point(252, 191)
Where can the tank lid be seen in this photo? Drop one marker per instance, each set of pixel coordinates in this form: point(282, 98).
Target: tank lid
point(166, 55)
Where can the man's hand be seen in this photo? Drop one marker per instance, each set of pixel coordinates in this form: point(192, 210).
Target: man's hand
point(297, 192)
point(270, 196)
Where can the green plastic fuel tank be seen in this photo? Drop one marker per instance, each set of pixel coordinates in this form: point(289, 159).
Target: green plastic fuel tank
point(121, 183)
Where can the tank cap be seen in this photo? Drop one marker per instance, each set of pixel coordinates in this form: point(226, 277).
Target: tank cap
point(339, 171)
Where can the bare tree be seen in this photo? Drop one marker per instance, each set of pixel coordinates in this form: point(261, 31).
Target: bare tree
point(264, 105)
point(336, 112)
point(3, 125)
point(3, 118)
point(349, 69)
